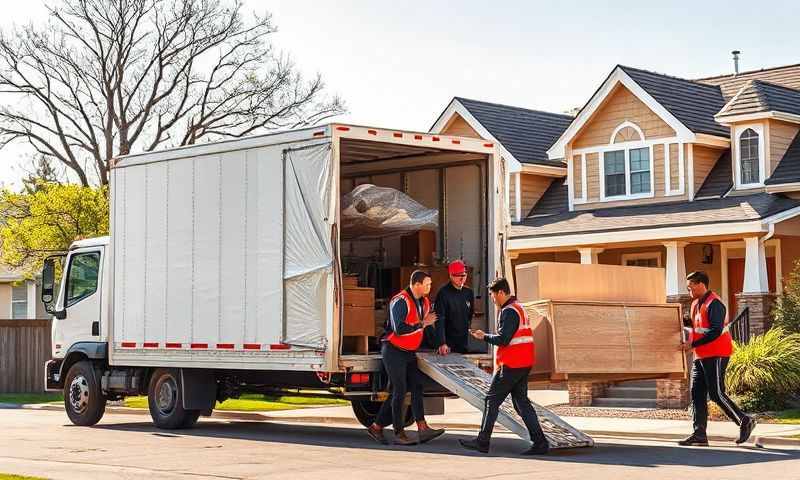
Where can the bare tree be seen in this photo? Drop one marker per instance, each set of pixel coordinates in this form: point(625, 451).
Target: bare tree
point(106, 78)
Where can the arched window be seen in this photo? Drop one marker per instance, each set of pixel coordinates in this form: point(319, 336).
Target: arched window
point(748, 157)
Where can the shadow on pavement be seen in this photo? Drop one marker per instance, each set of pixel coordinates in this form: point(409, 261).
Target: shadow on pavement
point(634, 454)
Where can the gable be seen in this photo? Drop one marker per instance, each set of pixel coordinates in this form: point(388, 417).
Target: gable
point(621, 105)
point(459, 127)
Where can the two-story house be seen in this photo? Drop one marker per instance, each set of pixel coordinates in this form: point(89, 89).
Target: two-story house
point(659, 171)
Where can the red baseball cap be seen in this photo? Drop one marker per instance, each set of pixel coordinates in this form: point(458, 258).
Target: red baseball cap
point(456, 267)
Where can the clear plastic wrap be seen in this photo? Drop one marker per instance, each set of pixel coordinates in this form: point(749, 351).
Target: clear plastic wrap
point(370, 212)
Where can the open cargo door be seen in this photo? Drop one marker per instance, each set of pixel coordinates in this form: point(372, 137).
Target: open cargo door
point(469, 382)
point(308, 270)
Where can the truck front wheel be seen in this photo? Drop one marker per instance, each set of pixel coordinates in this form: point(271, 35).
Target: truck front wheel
point(367, 410)
point(83, 400)
point(165, 400)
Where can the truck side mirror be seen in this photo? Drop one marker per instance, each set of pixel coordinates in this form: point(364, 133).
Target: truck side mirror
point(48, 281)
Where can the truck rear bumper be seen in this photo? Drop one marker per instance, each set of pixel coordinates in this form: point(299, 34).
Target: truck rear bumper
point(52, 376)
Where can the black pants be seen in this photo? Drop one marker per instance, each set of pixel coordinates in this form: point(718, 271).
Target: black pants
point(708, 381)
point(404, 375)
point(515, 382)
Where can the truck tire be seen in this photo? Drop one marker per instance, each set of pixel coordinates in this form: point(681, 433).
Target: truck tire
point(366, 411)
point(83, 399)
point(165, 400)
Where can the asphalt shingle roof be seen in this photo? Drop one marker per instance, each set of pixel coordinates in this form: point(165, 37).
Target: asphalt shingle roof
point(719, 180)
point(554, 200)
point(664, 215)
point(526, 134)
point(788, 169)
point(758, 96)
point(693, 103)
point(786, 75)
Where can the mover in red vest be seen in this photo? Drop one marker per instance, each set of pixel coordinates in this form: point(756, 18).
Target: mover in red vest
point(515, 356)
point(409, 314)
point(712, 345)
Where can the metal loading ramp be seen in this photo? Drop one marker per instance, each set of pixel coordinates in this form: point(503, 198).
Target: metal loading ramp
point(469, 382)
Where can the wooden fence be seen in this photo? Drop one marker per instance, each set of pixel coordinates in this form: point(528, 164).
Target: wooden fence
point(24, 348)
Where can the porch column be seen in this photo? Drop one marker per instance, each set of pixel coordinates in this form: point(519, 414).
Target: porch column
point(589, 255)
point(755, 292)
point(675, 273)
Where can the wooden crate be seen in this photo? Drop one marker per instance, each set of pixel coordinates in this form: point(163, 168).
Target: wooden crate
point(359, 297)
point(359, 321)
point(350, 281)
point(595, 283)
point(607, 338)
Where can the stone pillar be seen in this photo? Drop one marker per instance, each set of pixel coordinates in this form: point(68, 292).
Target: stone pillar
point(581, 393)
point(760, 305)
point(672, 393)
point(589, 255)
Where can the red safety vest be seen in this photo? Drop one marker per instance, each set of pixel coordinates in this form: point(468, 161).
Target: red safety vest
point(410, 341)
point(723, 345)
point(519, 353)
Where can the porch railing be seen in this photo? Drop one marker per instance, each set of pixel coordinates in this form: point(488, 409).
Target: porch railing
point(740, 327)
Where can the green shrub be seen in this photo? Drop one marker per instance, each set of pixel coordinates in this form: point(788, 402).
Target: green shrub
point(786, 313)
point(761, 401)
point(766, 370)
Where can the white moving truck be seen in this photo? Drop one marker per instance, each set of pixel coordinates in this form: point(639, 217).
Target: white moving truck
point(223, 270)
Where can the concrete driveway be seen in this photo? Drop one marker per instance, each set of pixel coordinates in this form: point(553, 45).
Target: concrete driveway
point(43, 443)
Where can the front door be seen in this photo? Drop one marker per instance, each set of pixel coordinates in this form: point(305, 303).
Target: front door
point(736, 281)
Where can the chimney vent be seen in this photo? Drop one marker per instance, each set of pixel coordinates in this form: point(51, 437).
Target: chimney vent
point(736, 61)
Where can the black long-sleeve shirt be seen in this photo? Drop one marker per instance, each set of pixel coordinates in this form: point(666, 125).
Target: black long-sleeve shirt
point(506, 327)
point(716, 320)
point(454, 311)
point(398, 310)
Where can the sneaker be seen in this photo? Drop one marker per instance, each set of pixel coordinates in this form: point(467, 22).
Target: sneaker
point(746, 429)
point(475, 445)
point(429, 434)
point(541, 449)
point(401, 438)
point(377, 435)
point(694, 440)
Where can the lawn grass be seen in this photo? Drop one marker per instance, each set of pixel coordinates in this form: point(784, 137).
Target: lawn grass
point(8, 476)
point(790, 417)
point(256, 403)
point(26, 398)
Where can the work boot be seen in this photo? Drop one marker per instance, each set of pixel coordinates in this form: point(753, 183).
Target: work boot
point(401, 438)
point(376, 433)
point(476, 445)
point(538, 449)
point(694, 440)
point(427, 434)
point(748, 424)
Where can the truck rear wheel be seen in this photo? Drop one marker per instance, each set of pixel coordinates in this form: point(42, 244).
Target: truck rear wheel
point(83, 400)
point(367, 410)
point(165, 400)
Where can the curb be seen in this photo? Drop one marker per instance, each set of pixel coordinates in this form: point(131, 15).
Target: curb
point(265, 417)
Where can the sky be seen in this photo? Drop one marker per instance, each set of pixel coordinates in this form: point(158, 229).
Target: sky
point(398, 64)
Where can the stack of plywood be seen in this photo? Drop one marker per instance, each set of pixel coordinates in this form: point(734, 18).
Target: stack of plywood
point(601, 321)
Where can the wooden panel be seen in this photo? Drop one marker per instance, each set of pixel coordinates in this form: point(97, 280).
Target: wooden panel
point(532, 188)
point(359, 321)
point(359, 297)
point(24, 348)
point(459, 127)
point(577, 180)
point(704, 160)
point(620, 105)
point(781, 135)
point(578, 282)
point(604, 338)
point(593, 176)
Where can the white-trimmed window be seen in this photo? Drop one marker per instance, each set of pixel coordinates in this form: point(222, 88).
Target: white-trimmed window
point(645, 259)
point(640, 170)
point(750, 156)
point(19, 301)
point(627, 173)
point(614, 172)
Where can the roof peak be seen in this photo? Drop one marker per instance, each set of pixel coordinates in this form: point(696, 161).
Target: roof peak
point(563, 115)
point(673, 77)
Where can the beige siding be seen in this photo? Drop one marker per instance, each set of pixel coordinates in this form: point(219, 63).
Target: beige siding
point(658, 170)
point(593, 177)
point(621, 105)
point(512, 196)
point(781, 135)
point(577, 176)
point(5, 300)
point(532, 188)
point(459, 126)
point(674, 167)
point(704, 160)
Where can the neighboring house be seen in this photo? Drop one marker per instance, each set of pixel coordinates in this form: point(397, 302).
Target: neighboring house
point(19, 298)
point(680, 174)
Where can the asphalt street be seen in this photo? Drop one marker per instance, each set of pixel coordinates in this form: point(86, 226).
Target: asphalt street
point(44, 443)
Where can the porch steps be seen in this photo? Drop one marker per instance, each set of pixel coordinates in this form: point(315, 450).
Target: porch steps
point(632, 394)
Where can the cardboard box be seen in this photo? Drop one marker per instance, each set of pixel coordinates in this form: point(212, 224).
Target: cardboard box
point(359, 321)
point(359, 297)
